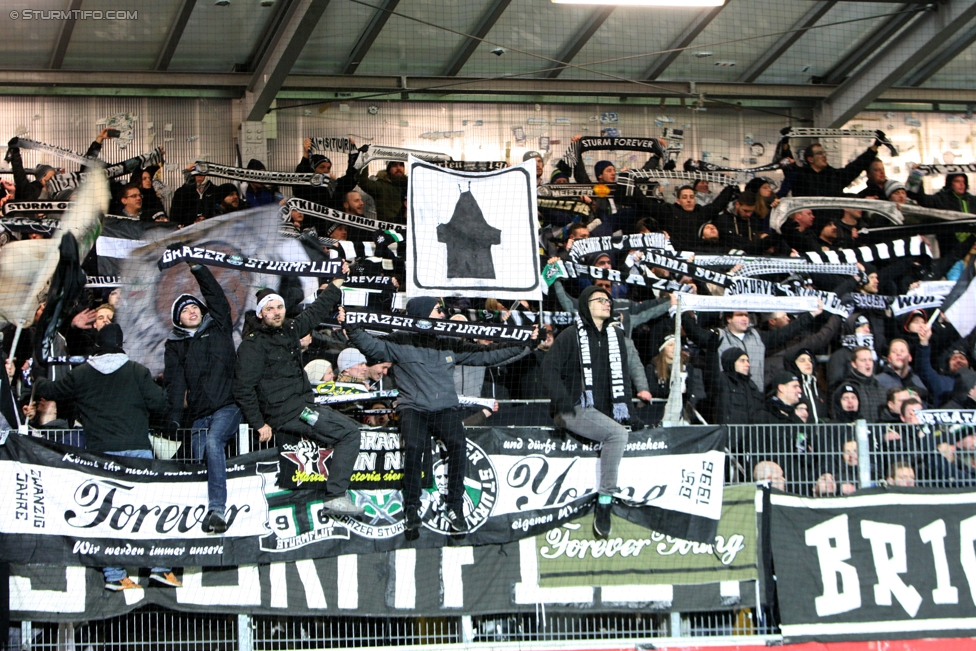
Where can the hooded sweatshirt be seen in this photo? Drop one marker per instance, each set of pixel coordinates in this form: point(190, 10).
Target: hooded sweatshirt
point(965, 382)
point(562, 364)
point(114, 397)
point(837, 412)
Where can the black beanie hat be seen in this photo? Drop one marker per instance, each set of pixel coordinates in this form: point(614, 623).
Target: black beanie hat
point(224, 190)
point(783, 377)
point(109, 340)
point(255, 164)
point(315, 159)
point(421, 306)
point(181, 302)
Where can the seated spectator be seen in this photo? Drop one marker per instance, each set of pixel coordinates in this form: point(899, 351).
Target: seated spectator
point(352, 367)
point(319, 371)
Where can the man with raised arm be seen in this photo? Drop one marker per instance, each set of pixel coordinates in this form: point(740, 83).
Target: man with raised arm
point(199, 373)
point(273, 391)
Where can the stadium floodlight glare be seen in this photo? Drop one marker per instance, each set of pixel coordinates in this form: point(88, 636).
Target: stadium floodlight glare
point(645, 3)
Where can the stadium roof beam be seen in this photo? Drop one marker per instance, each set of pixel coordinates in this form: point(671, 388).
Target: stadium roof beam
point(174, 35)
point(286, 45)
point(485, 23)
point(368, 37)
point(869, 44)
point(678, 45)
point(939, 61)
point(64, 37)
point(579, 39)
point(808, 20)
point(923, 36)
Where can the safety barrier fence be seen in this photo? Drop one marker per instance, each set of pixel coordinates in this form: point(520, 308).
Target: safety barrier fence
point(811, 460)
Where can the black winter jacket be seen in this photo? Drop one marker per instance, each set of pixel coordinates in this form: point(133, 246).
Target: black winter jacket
point(565, 372)
point(200, 364)
point(114, 397)
point(830, 181)
point(270, 384)
point(738, 400)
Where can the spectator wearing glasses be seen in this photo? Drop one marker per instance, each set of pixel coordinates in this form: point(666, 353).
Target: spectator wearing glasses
point(589, 389)
point(427, 405)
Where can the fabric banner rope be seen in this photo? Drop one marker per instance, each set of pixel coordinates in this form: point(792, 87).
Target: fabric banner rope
point(199, 255)
point(748, 303)
point(463, 329)
point(616, 243)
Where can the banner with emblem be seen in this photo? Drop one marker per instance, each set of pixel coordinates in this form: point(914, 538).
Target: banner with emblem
point(72, 507)
point(565, 571)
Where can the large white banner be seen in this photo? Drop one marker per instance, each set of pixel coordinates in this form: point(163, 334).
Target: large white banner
point(472, 234)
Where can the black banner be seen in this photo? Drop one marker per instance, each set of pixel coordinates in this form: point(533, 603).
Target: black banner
point(881, 564)
point(200, 255)
point(67, 506)
point(390, 322)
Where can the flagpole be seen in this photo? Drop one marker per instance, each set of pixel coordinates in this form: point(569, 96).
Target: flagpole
point(672, 411)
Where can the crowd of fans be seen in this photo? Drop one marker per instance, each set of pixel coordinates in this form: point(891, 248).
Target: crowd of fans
point(736, 368)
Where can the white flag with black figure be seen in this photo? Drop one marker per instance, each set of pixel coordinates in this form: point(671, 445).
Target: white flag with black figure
point(472, 234)
point(959, 306)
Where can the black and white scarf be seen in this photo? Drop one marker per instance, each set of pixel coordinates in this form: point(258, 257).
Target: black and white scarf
point(391, 322)
point(900, 248)
point(520, 317)
point(640, 275)
point(259, 176)
point(704, 166)
point(60, 152)
point(629, 178)
point(472, 165)
point(129, 165)
point(570, 190)
point(574, 153)
point(34, 206)
point(575, 206)
point(939, 170)
point(618, 393)
point(819, 133)
point(369, 153)
point(614, 243)
point(332, 144)
point(314, 209)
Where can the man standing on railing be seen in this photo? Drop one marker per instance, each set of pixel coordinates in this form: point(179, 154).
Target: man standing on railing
point(423, 365)
point(272, 389)
point(199, 373)
point(589, 388)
